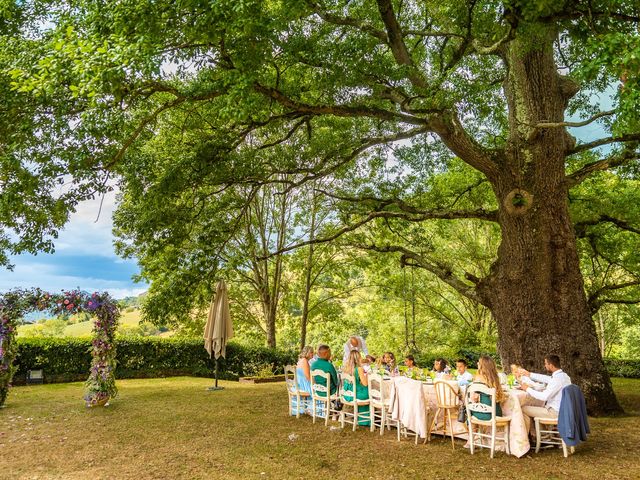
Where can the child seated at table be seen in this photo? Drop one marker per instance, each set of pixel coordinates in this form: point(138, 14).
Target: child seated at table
point(464, 376)
point(441, 369)
point(388, 362)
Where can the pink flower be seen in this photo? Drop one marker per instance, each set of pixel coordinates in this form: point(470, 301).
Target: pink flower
point(66, 301)
point(69, 307)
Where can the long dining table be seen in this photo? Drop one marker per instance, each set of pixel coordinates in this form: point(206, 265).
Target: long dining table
point(414, 403)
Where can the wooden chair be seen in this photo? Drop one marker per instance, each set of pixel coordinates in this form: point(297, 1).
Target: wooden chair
point(447, 402)
point(321, 396)
point(355, 403)
point(493, 423)
point(549, 428)
point(296, 396)
point(380, 403)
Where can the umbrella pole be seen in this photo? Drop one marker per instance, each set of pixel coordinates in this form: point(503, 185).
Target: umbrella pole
point(216, 387)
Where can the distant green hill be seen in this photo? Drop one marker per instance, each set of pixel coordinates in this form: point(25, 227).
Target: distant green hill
point(129, 321)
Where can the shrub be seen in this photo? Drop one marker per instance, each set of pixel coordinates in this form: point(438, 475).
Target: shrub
point(623, 368)
point(68, 359)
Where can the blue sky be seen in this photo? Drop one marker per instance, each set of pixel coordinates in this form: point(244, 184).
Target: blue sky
point(84, 258)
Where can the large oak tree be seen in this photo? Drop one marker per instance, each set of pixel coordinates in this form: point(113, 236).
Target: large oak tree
point(245, 92)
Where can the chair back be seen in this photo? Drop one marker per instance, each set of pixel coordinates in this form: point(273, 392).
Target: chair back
point(376, 389)
point(446, 394)
point(290, 379)
point(319, 390)
point(477, 406)
point(354, 387)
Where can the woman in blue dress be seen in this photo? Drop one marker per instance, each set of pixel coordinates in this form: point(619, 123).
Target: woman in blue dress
point(303, 375)
point(354, 367)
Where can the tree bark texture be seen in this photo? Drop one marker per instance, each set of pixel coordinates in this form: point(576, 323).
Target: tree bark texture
point(535, 288)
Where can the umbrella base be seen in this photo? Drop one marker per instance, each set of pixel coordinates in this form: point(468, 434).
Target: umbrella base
point(212, 389)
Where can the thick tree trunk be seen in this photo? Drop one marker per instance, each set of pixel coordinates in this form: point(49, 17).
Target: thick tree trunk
point(269, 312)
point(535, 289)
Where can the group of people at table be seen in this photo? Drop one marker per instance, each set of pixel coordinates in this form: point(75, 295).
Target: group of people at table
point(358, 363)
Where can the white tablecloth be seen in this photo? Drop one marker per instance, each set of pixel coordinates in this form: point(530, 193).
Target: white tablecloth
point(414, 403)
point(412, 409)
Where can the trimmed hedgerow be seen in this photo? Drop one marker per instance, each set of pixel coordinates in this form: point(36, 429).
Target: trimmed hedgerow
point(68, 359)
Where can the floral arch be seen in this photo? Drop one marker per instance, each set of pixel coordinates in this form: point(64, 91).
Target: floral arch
point(101, 385)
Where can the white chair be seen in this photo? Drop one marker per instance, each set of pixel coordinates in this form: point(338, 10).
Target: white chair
point(380, 403)
point(296, 396)
point(447, 402)
point(354, 402)
point(547, 434)
point(493, 423)
point(321, 396)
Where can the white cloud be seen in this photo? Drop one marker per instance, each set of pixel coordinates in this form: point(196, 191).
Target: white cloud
point(89, 231)
point(29, 273)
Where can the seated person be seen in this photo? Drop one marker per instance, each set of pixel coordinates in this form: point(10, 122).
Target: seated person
point(516, 371)
point(355, 342)
point(388, 362)
point(464, 376)
point(368, 362)
point(323, 363)
point(440, 368)
point(488, 375)
point(410, 363)
point(354, 367)
point(551, 395)
point(303, 373)
point(303, 368)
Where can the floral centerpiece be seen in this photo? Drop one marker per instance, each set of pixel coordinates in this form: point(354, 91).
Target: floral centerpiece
point(16, 303)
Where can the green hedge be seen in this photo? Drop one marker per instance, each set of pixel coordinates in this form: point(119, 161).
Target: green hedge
point(68, 359)
point(623, 368)
point(615, 366)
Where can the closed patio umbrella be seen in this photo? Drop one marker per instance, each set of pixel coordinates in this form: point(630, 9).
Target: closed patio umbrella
point(218, 329)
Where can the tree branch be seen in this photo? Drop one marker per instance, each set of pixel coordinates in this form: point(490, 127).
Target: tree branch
point(491, 49)
point(608, 219)
point(443, 272)
point(631, 137)
point(434, 215)
point(382, 203)
point(612, 161)
point(575, 124)
point(396, 43)
point(337, 110)
point(448, 127)
point(347, 21)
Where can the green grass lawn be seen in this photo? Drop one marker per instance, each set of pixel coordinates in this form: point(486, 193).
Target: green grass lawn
point(173, 428)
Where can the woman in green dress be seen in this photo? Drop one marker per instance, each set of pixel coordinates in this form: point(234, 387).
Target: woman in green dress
point(488, 374)
point(354, 367)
